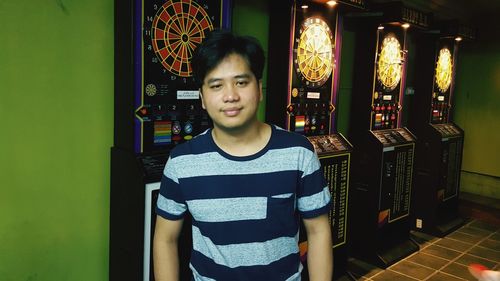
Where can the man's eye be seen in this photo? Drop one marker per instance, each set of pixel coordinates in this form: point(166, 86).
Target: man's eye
point(215, 86)
point(241, 83)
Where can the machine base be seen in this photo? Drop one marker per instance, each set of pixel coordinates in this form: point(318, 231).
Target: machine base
point(446, 228)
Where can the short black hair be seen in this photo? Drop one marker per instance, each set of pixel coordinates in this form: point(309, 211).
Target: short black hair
point(220, 43)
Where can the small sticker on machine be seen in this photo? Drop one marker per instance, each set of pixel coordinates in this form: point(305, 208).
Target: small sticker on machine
point(313, 95)
point(188, 95)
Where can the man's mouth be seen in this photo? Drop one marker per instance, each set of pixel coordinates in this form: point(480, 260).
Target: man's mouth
point(233, 111)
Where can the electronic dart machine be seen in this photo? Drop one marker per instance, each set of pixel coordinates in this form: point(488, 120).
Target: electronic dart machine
point(156, 107)
point(304, 61)
point(439, 140)
point(383, 156)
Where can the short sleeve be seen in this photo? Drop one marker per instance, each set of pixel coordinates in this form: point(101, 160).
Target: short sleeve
point(313, 198)
point(171, 204)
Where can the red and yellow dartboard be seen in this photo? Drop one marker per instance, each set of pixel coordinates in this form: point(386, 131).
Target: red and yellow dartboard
point(177, 29)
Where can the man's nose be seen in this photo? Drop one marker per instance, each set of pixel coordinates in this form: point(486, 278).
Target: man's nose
point(231, 94)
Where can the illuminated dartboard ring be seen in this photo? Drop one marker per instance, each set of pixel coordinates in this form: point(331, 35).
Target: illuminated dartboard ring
point(178, 28)
point(314, 57)
point(390, 66)
point(444, 70)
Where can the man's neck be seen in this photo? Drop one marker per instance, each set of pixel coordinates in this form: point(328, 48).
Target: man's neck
point(243, 142)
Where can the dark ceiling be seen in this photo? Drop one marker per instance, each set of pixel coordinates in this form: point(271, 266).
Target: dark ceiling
point(476, 13)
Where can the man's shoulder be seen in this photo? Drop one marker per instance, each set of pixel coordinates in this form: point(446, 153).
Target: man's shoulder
point(196, 145)
point(287, 139)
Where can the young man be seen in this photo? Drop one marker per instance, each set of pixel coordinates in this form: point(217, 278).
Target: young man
point(245, 183)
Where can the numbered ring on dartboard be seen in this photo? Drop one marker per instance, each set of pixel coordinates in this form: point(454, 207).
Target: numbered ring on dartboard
point(390, 63)
point(178, 28)
point(313, 55)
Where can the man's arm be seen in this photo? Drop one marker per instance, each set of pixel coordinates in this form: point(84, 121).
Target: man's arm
point(165, 251)
point(319, 248)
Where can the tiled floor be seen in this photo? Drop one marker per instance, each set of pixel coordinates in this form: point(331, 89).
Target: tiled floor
point(440, 259)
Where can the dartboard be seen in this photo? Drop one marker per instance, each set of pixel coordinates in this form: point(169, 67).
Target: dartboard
point(178, 28)
point(389, 66)
point(444, 69)
point(314, 57)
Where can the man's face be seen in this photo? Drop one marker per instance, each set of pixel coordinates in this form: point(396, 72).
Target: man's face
point(231, 94)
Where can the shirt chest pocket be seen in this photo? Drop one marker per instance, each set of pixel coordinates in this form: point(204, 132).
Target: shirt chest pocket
point(281, 205)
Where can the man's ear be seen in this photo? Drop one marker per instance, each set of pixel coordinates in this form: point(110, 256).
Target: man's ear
point(202, 102)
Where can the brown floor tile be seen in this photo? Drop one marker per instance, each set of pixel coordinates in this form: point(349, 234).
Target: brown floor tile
point(474, 231)
point(440, 259)
point(389, 275)
point(464, 237)
point(495, 236)
point(490, 244)
point(483, 225)
point(485, 253)
point(411, 269)
point(428, 260)
point(454, 244)
point(458, 270)
point(439, 276)
point(441, 252)
point(469, 259)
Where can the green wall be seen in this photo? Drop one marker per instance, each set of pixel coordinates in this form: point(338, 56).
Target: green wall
point(477, 111)
point(344, 97)
point(56, 104)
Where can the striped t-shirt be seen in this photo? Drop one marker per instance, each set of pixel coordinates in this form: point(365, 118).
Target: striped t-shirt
point(245, 210)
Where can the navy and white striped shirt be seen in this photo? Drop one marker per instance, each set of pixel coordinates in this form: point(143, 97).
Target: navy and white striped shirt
point(245, 209)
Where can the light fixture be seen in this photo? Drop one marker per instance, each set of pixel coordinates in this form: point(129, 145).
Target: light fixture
point(331, 3)
point(458, 38)
point(304, 6)
point(380, 27)
point(405, 25)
